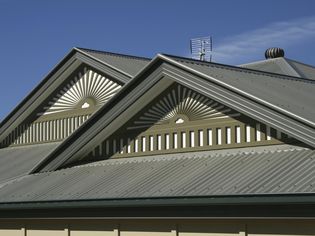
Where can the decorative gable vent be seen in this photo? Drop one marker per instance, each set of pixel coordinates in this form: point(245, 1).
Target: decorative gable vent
point(85, 90)
point(181, 103)
point(69, 108)
point(181, 120)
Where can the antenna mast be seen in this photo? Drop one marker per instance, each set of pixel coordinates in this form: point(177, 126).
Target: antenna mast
point(201, 48)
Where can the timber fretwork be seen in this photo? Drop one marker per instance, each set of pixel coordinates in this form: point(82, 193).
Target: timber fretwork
point(181, 120)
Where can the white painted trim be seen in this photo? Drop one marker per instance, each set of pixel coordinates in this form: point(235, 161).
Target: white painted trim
point(219, 136)
point(248, 137)
point(200, 134)
point(228, 135)
point(238, 134)
point(184, 145)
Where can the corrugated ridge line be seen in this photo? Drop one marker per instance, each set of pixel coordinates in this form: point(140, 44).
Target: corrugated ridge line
point(238, 69)
point(115, 54)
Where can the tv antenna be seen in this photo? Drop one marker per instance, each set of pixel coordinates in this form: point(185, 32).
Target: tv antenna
point(201, 48)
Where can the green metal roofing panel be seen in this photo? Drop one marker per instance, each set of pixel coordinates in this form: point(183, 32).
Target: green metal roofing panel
point(306, 71)
point(291, 94)
point(18, 161)
point(257, 171)
point(128, 64)
point(283, 66)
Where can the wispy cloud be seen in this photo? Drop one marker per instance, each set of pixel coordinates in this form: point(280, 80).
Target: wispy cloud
point(239, 48)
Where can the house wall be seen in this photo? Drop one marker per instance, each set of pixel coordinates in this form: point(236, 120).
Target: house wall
point(157, 227)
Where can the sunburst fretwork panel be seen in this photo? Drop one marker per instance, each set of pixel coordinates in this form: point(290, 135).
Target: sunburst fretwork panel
point(68, 108)
point(85, 90)
point(180, 104)
point(182, 120)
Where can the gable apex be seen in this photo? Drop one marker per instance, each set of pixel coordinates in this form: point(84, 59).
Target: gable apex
point(86, 89)
point(180, 102)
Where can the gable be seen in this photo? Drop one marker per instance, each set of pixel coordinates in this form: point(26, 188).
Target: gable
point(87, 89)
point(271, 90)
point(178, 104)
point(183, 120)
point(25, 112)
point(83, 93)
point(148, 85)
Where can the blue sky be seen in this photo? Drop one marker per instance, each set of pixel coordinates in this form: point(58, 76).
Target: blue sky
point(36, 34)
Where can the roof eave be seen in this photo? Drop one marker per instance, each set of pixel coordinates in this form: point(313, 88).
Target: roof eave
point(267, 199)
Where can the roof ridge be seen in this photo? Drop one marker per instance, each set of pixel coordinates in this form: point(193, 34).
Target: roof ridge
point(302, 63)
point(260, 61)
point(241, 69)
point(115, 54)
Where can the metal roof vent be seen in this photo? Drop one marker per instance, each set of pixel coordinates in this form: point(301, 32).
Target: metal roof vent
point(274, 53)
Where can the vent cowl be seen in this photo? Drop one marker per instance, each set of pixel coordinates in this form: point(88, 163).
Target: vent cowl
point(274, 53)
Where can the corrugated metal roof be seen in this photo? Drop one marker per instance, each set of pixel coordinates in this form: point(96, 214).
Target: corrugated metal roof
point(278, 65)
point(306, 71)
point(292, 94)
point(129, 64)
point(283, 66)
point(18, 161)
point(271, 170)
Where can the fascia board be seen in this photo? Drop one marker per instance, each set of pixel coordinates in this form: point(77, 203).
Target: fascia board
point(290, 199)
